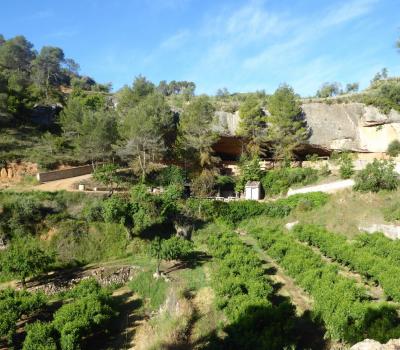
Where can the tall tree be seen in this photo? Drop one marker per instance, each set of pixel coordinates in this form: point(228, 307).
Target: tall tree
point(90, 131)
point(98, 132)
point(195, 129)
point(129, 97)
point(16, 54)
point(329, 90)
point(252, 124)
point(148, 130)
point(47, 69)
point(286, 126)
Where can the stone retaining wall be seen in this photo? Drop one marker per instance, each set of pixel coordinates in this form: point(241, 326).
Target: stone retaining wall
point(64, 174)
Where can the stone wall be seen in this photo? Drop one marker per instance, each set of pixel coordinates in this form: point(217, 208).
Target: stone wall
point(64, 173)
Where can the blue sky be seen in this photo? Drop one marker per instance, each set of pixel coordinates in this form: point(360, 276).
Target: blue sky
point(241, 45)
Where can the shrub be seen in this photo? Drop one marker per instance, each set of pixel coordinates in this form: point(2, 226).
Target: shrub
point(40, 336)
point(14, 304)
point(24, 258)
point(91, 309)
point(93, 211)
point(394, 148)
point(346, 169)
point(106, 174)
point(115, 209)
point(204, 184)
point(361, 260)
point(377, 176)
point(169, 175)
point(175, 248)
point(278, 181)
point(236, 211)
point(243, 292)
point(392, 213)
point(342, 305)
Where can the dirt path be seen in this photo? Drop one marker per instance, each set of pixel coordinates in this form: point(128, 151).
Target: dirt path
point(129, 318)
point(288, 287)
point(329, 187)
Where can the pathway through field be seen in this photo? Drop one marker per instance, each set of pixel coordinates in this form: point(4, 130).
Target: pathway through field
point(288, 287)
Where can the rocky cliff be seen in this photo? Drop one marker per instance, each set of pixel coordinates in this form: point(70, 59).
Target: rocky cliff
point(338, 126)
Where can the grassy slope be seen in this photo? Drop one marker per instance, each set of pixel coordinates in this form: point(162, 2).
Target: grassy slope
point(347, 210)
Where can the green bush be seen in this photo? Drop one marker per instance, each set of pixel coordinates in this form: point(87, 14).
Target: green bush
point(90, 310)
point(243, 292)
point(236, 211)
point(362, 260)
point(170, 175)
point(278, 181)
point(342, 305)
point(392, 213)
point(385, 95)
point(40, 336)
point(14, 304)
point(346, 169)
point(116, 209)
point(378, 175)
point(394, 148)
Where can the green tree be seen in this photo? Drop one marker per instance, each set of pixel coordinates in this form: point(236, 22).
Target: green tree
point(148, 130)
point(377, 176)
point(92, 133)
point(25, 258)
point(146, 209)
point(97, 135)
point(16, 54)
point(107, 175)
point(175, 248)
point(47, 69)
point(394, 148)
point(196, 136)
point(129, 97)
point(252, 125)
point(286, 126)
point(346, 169)
point(204, 184)
point(250, 170)
point(352, 87)
point(329, 90)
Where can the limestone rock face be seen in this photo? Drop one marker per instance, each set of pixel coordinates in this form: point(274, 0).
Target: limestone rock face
point(369, 344)
point(3, 173)
point(338, 126)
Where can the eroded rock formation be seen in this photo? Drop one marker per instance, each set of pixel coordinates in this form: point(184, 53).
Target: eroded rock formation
point(338, 126)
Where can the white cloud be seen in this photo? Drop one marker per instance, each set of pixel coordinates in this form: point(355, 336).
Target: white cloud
point(175, 40)
point(254, 45)
point(348, 11)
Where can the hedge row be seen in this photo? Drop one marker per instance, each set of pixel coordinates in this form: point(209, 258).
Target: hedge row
point(243, 292)
point(236, 211)
point(342, 305)
point(380, 245)
point(91, 307)
point(13, 305)
point(360, 259)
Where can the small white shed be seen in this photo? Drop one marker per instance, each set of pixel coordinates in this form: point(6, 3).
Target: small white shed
point(252, 190)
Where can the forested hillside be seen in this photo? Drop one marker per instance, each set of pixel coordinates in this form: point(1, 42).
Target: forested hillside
point(162, 246)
